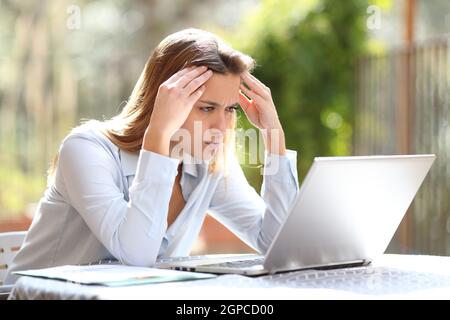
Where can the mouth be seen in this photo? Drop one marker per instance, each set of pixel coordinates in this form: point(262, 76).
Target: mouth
point(212, 143)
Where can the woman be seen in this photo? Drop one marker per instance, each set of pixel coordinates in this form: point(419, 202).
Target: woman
point(128, 188)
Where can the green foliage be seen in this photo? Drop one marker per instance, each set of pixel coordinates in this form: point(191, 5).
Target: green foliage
point(305, 52)
point(19, 189)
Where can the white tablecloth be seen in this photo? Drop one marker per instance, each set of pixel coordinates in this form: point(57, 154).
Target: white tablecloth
point(393, 277)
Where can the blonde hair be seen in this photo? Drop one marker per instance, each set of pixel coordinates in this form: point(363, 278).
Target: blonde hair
point(188, 47)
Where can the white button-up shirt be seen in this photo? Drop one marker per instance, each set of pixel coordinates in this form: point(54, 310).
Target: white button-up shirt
point(107, 203)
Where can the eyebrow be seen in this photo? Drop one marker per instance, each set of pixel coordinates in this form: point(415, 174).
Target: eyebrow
point(215, 104)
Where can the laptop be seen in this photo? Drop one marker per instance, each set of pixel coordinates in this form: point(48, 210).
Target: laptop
point(346, 213)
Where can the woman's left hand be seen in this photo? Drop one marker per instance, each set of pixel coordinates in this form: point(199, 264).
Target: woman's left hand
point(261, 112)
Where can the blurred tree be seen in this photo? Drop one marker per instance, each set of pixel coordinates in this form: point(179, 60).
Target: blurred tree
point(305, 51)
point(62, 61)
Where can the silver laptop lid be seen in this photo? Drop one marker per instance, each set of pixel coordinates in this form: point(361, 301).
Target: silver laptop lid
point(347, 210)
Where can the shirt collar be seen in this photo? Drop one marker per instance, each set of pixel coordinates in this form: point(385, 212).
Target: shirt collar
point(190, 165)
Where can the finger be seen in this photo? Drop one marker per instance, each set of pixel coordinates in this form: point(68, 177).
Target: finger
point(198, 81)
point(248, 106)
point(255, 86)
point(188, 77)
point(194, 96)
point(258, 81)
point(244, 101)
point(254, 96)
point(179, 74)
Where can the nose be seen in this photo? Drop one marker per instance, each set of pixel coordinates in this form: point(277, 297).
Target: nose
point(220, 122)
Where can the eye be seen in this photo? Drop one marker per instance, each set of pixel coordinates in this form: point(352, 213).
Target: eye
point(232, 109)
point(207, 109)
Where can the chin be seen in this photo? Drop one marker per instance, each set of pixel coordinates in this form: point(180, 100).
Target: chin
point(205, 155)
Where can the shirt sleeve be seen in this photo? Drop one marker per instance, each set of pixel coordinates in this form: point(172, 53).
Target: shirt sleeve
point(253, 218)
point(132, 231)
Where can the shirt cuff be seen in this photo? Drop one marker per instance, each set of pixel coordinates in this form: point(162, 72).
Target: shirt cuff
point(277, 166)
point(154, 166)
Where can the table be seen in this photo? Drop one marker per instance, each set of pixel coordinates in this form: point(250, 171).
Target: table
point(388, 277)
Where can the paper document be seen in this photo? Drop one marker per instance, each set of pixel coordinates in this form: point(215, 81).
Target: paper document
point(113, 274)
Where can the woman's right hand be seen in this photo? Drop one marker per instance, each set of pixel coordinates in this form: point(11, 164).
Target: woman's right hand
point(174, 101)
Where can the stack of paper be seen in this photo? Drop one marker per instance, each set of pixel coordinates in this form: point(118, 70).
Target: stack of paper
point(113, 274)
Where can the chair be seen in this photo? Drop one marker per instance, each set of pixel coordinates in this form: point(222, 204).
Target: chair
point(10, 243)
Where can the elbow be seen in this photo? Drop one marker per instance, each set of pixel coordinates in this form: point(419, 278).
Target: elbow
point(262, 246)
point(138, 260)
point(140, 254)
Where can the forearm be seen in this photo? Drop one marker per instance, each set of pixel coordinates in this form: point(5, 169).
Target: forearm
point(279, 189)
point(131, 230)
point(157, 141)
point(140, 233)
point(274, 140)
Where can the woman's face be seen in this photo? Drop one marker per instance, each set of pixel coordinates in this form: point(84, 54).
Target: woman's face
point(203, 132)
